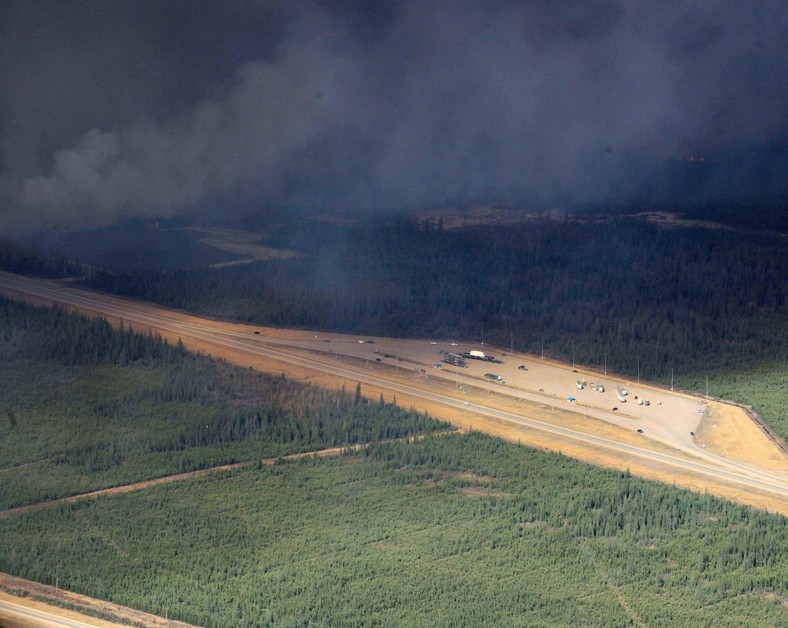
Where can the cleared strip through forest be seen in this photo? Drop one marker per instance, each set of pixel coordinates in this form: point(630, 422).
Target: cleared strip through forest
point(139, 486)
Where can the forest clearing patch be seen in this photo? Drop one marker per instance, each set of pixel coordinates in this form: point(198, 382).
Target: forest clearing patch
point(725, 433)
point(742, 439)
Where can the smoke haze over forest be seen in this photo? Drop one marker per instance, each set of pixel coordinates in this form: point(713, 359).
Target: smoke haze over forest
point(115, 110)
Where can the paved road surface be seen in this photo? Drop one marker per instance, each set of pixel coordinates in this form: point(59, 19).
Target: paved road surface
point(18, 614)
point(324, 354)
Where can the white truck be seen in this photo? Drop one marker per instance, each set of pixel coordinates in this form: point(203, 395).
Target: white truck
point(477, 354)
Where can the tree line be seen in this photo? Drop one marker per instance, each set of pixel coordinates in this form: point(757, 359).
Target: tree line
point(621, 293)
point(86, 406)
point(457, 529)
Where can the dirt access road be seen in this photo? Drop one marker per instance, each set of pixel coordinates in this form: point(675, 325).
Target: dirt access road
point(653, 441)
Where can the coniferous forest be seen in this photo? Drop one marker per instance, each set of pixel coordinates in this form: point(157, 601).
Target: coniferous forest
point(687, 298)
point(588, 197)
point(87, 407)
point(623, 294)
point(618, 290)
point(453, 529)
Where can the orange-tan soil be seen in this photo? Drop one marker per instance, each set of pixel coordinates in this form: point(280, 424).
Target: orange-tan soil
point(25, 590)
point(735, 427)
point(723, 432)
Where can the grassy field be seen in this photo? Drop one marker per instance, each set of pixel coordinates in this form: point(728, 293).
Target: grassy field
point(459, 529)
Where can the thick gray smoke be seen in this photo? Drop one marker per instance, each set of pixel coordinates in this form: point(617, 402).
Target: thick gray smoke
point(144, 109)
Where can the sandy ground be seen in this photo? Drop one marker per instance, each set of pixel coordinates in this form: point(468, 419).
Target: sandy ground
point(723, 431)
point(722, 428)
point(726, 430)
point(737, 438)
point(32, 589)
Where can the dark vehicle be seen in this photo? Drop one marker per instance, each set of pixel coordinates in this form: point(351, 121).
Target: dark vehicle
point(522, 367)
point(640, 431)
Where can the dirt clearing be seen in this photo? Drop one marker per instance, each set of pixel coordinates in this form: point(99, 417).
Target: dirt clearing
point(539, 392)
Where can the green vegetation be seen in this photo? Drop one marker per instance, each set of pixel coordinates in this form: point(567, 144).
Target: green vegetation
point(605, 291)
point(87, 407)
point(22, 260)
point(454, 530)
point(637, 298)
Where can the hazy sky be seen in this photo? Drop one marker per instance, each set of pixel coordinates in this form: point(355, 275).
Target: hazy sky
point(116, 109)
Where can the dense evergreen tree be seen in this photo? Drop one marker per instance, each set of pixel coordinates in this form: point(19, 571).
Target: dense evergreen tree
point(89, 406)
point(452, 530)
point(625, 293)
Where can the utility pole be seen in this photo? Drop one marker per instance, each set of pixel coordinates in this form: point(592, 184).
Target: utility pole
point(605, 362)
point(543, 348)
point(671, 379)
point(573, 355)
